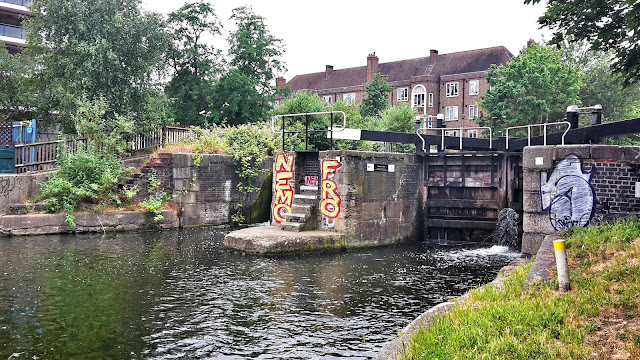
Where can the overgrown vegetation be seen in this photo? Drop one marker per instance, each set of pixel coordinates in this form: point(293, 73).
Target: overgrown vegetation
point(157, 199)
point(599, 318)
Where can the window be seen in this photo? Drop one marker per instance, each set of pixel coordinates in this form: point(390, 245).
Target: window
point(418, 96)
point(452, 89)
point(472, 133)
point(327, 100)
point(349, 99)
point(474, 87)
point(473, 111)
point(403, 94)
point(451, 133)
point(451, 113)
point(430, 99)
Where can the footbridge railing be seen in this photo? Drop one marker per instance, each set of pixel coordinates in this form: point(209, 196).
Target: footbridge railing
point(279, 125)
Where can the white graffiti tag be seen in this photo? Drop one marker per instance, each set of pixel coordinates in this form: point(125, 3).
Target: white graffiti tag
point(567, 194)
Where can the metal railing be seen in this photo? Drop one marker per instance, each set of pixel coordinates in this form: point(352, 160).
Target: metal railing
point(461, 133)
point(12, 31)
point(544, 129)
point(43, 155)
point(25, 3)
point(306, 131)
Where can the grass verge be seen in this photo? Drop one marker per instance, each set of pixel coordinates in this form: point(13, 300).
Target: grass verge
point(598, 319)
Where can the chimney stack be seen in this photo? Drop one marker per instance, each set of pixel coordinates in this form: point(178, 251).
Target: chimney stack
point(372, 65)
point(281, 82)
point(327, 71)
point(433, 54)
point(530, 42)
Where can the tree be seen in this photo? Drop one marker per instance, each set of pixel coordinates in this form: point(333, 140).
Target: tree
point(534, 87)
point(194, 63)
point(610, 25)
point(378, 91)
point(13, 69)
point(237, 101)
point(105, 49)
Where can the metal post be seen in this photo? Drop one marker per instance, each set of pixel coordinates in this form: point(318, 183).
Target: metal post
point(544, 130)
point(306, 132)
point(561, 264)
point(596, 115)
point(572, 116)
point(283, 133)
point(331, 130)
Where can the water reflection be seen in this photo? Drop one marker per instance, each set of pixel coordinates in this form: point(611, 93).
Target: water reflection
point(173, 294)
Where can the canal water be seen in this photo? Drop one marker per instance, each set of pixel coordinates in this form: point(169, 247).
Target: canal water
point(179, 294)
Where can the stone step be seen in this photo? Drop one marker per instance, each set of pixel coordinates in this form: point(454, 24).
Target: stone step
point(308, 188)
point(304, 197)
point(302, 208)
point(292, 226)
point(296, 216)
point(19, 209)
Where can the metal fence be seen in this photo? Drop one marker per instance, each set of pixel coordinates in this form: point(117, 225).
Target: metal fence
point(42, 156)
point(19, 2)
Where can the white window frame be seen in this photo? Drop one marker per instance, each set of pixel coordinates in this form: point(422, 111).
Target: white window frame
point(419, 92)
point(451, 113)
point(327, 100)
point(349, 99)
point(473, 111)
point(474, 87)
point(451, 133)
point(472, 133)
point(453, 89)
point(405, 94)
point(430, 99)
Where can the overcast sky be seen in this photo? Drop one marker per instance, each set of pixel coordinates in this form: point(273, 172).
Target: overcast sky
point(342, 33)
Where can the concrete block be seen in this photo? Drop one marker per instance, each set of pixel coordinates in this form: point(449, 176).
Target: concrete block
point(531, 180)
point(531, 242)
point(182, 173)
point(631, 153)
point(182, 160)
point(607, 152)
point(537, 222)
point(538, 157)
point(583, 151)
point(531, 201)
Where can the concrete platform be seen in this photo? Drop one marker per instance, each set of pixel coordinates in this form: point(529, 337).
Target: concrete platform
point(273, 240)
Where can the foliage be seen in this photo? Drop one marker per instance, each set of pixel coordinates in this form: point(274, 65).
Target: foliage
point(299, 103)
point(157, 199)
point(105, 49)
point(377, 98)
point(600, 86)
point(101, 133)
point(607, 26)
point(193, 61)
point(399, 119)
point(13, 69)
point(86, 176)
point(237, 100)
point(534, 87)
point(509, 321)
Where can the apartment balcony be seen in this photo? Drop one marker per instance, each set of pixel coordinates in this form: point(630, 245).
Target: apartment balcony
point(19, 7)
point(12, 36)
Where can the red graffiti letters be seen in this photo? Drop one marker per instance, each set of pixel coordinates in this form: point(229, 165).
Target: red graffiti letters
point(330, 200)
point(283, 170)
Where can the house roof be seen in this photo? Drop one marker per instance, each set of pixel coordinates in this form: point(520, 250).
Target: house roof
point(444, 64)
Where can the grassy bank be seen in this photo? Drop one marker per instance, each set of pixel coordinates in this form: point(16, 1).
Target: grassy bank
point(598, 319)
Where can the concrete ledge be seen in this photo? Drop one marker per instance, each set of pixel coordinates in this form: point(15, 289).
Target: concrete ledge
point(41, 224)
point(544, 262)
point(273, 240)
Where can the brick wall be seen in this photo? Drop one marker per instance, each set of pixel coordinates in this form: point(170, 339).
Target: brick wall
point(612, 172)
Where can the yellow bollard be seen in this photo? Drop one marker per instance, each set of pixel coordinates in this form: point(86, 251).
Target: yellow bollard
point(561, 264)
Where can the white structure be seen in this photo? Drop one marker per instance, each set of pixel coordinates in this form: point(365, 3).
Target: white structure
point(12, 12)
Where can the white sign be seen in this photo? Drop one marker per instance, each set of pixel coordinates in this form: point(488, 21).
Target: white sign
point(539, 160)
point(346, 134)
point(392, 168)
point(370, 167)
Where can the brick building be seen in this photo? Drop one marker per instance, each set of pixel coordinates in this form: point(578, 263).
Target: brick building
point(12, 35)
point(451, 84)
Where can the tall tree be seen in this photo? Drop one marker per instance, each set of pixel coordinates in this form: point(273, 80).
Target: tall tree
point(535, 86)
point(194, 62)
point(13, 69)
point(106, 49)
point(610, 25)
point(377, 98)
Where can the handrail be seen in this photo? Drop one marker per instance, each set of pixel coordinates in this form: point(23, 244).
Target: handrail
point(306, 128)
point(544, 129)
point(424, 143)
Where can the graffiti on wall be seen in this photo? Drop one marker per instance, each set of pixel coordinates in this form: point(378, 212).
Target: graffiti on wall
point(567, 194)
point(329, 198)
point(283, 172)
